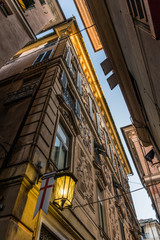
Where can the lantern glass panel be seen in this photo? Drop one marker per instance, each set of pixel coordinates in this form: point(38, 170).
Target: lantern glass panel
point(63, 191)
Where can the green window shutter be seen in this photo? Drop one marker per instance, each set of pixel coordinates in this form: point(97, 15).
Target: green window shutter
point(68, 57)
point(79, 82)
point(28, 3)
point(91, 108)
point(78, 109)
point(98, 124)
point(64, 80)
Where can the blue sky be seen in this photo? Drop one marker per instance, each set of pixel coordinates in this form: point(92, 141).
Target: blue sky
point(118, 110)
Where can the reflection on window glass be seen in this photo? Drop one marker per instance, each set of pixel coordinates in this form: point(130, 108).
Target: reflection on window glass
point(100, 208)
point(60, 150)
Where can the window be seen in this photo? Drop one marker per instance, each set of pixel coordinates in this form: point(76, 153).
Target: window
point(43, 56)
point(61, 148)
point(42, 2)
point(26, 4)
point(68, 97)
point(91, 109)
point(122, 229)
point(98, 124)
point(106, 143)
point(100, 208)
point(5, 9)
point(79, 82)
point(112, 156)
point(26, 90)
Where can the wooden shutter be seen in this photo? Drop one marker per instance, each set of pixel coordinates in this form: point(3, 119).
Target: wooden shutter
point(91, 108)
point(64, 80)
point(68, 57)
point(106, 141)
point(98, 124)
point(78, 109)
point(79, 82)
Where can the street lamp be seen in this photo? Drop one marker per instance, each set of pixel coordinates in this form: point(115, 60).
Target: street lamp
point(64, 189)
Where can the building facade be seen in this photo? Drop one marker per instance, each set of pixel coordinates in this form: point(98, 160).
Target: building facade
point(21, 20)
point(129, 33)
point(54, 115)
point(150, 229)
point(146, 163)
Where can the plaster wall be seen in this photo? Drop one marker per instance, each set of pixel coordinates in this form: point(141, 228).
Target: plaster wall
point(21, 26)
point(142, 57)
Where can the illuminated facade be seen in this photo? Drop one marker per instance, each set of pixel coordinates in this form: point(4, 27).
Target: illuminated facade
point(54, 115)
point(129, 32)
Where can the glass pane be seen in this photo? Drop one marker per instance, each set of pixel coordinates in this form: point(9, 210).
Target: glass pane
point(63, 135)
point(56, 150)
point(68, 98)
point(62, 158)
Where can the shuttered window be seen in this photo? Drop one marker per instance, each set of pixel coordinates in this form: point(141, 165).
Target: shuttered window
point(91, 108)
point(79, 82)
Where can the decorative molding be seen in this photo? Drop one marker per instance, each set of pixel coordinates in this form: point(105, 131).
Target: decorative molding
point(85, 133)
point(85, 178)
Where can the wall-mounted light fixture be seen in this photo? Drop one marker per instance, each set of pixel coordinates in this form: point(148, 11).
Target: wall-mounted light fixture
point(64, 189)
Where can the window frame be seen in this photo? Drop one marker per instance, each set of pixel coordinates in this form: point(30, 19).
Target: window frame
point(5, 9)
point(122, 229)
point(62, 145)
point(25, 8)
point(100, 208)
point(43, 55)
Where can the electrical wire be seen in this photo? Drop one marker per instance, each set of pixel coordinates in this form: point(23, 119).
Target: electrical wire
point(120, 195)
